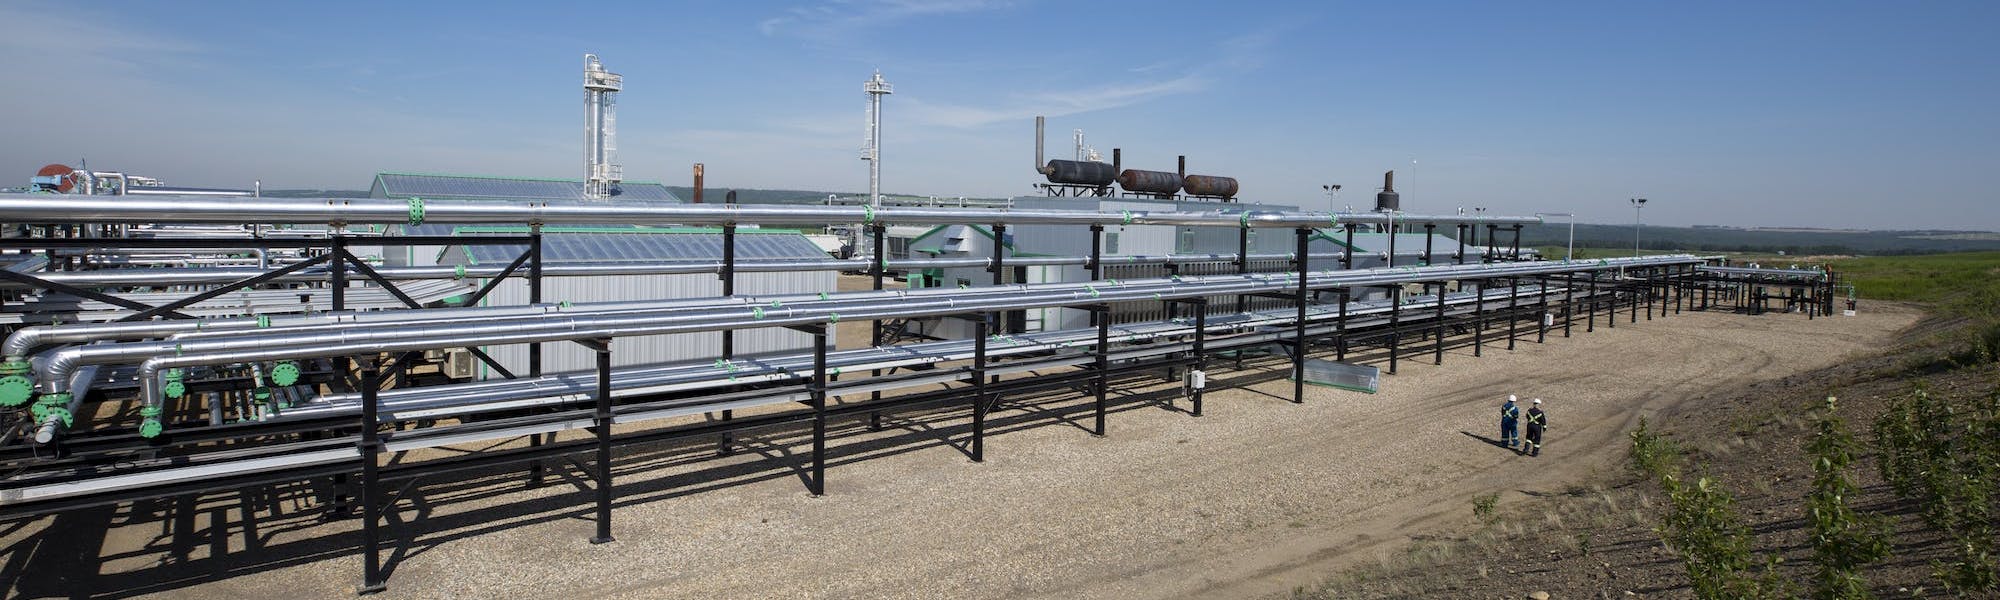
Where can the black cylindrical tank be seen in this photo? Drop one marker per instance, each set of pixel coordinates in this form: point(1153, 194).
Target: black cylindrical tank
point(1388, 200)
point(1210, 185)
point(1150, 182)
point(1080, 172)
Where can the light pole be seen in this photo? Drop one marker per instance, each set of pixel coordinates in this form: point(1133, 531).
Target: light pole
point(1332, 197)
point(1637, 203)
point(1570, 251)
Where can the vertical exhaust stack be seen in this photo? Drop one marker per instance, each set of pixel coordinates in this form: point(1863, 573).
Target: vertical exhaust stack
point(1117, 160)
point(1388, 200)
point(1040, 165)
point(697, 183)
point(1182, 171)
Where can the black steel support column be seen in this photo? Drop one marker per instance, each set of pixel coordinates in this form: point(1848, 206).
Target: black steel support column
point(1200, 346)
point(1569, 302)
point(979, 333)
point(1299, 327)
point(1460, 258)
point(1478, 317)
point(1513, 309)
point(1102, 385)
point(1542, 315)
point(876, 270)
point(1242, 267)
point(535, 293)
point(1339, 329)
point(819, 409)
point(371, 482)
point(1652, 287)
point(726, 443)
point(1591, 325)
point(602, 429)
point(1429, 230)
point(536, 468)
point(1347, 254)
point(1000, 269)
point(1395, 326)
point(1438, 351)
point(338, 285)
point(1486, 254)
point(1517, 245)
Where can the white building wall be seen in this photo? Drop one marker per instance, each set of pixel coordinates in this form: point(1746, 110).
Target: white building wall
point(657, 349)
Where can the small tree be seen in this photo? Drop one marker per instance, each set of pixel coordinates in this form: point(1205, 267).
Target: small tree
point(1843, 540)
point(1702, 525)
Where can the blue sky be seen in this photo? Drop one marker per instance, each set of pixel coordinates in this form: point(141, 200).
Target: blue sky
point(1833, 114)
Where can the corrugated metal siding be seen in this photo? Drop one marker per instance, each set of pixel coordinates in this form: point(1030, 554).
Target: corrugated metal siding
point(561, 357)
point(649, 246)
point(404, 185)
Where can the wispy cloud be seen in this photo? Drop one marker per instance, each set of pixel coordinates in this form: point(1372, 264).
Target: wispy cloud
point(840, 17)
point(86, 42)
point(1054, 104)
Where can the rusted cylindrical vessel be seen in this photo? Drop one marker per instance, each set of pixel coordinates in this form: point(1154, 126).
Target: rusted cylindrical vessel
point(1150, 182)
point(1210, 185)
point(1080, 172)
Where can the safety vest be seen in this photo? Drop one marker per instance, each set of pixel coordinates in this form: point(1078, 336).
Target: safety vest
point(1510, 411)
point(1537, 419)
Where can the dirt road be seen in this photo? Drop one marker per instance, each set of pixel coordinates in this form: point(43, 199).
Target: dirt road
point(1256, 497)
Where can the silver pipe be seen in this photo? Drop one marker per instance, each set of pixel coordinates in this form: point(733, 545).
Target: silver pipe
point(354, 211)
point(508, 394)
point(582, 328)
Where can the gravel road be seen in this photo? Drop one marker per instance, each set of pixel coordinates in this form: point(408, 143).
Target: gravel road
point(1255, 497)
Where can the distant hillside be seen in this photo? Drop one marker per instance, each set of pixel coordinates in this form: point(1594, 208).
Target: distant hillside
point(1790, 240)
point(1701, 238)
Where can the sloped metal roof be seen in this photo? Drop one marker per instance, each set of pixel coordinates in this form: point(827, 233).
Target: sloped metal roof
point(474, 187)
point(651, 246)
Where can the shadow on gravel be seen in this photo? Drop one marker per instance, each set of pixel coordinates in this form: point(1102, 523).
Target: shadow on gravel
point(1489, 441)
point(216, 537)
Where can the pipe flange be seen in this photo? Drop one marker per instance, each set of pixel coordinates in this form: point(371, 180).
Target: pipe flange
point(16, 390)
point(285, 373)
point(15, 367)
point(416, 211)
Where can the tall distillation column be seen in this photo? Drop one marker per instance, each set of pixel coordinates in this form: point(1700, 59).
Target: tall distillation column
point(600, 128)
point(876, 89)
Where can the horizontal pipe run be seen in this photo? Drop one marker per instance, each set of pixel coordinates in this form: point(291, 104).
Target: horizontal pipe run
point(44, 208)
point(562, 328)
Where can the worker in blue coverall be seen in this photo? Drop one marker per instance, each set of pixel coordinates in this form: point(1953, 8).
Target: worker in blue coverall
point(1510, 417)
point(1537, 421)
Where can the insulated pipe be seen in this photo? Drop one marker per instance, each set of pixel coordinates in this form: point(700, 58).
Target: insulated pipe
point(471, 398)
point(55, 363)
point(32, 208)
point(217, 276)
point(58, 364)
point(509, 394)
point(571, 328)
point(60, 361)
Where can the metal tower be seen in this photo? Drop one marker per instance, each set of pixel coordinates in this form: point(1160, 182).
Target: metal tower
point(872, 151)
point(600, 128)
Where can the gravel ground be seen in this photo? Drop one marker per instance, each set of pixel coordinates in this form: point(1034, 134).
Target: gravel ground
point(1258, 496)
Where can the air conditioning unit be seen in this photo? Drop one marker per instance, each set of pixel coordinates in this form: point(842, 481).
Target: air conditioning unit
point(459, 364)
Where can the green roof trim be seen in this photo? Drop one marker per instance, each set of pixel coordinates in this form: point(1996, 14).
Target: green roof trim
point(1321, 234)
point(981, 229)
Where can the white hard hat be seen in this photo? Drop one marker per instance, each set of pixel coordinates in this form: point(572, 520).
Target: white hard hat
point(1538, 401)
point(1510, 397)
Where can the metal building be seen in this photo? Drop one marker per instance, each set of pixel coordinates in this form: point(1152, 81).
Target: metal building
point(439, 186)
point(608, 245)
